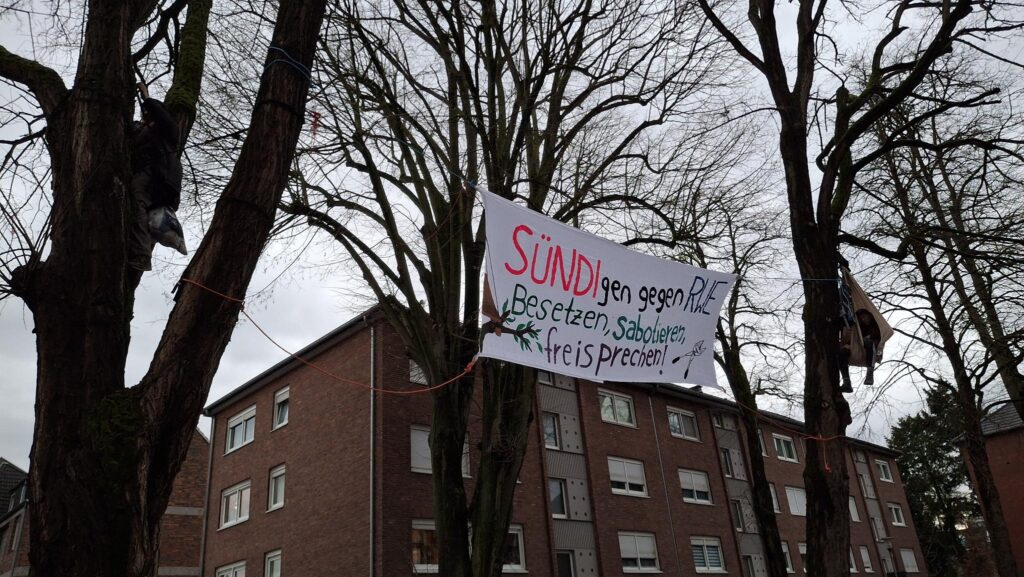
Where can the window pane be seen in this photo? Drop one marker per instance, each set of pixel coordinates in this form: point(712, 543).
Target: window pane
point(557, 489)
point(512, 556)
point(699, 560)
point(419, 448)
point(550, 421)
point(424, 547)
point(282, 412)
point(714, 556)
point(607, 408)
point(675, 423)
point(565, 564)
point(243, 508)
point(689, 426)
point(623, 411)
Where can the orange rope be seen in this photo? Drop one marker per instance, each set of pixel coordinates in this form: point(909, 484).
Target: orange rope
point(821, 439)
point(314, 366)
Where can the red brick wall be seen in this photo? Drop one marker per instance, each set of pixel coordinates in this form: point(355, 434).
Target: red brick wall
point(1006, 457)
point(9, 547)
point(322, 527)
point(182, 525)
point(902, 537)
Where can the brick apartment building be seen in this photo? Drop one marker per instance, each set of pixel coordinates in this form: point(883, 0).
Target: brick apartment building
point(1004, 441)
point(310, 476)
point(180, 529)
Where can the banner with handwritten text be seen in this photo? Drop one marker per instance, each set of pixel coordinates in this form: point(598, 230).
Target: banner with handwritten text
point(583, 306)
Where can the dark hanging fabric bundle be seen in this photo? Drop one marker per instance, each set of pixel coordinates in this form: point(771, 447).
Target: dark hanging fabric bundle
point(855, 333)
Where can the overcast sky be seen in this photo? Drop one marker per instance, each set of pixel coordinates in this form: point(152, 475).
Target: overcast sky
point(302, 304)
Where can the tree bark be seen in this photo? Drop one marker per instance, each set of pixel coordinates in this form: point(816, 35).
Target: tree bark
point(104, 457)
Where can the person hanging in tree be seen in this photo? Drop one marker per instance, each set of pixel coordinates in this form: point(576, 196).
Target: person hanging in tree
point(156, 179)
point(870, 335)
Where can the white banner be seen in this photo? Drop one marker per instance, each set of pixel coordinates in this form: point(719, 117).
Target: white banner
point(579, 305)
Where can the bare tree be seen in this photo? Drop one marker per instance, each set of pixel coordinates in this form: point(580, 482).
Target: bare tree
point(104, 455)
point(950, 205)
point(812, 93)
point(574, 108)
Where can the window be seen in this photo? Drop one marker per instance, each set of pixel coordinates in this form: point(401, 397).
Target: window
point(566, 564)
point(802, 547)
point(241, 429)
point(896, 514)
point(865, 559)
point(233, 570)
point(639, 553)
point(424, 547)
point(550, 423)
point(853, 562)
point(416, 374)
point(739, 521)
point(884, 472)
point(858, 456)
point(280, 408)
point(749, 569)
point(789, 560)
point(275, 493)
point(760, 442)
point(234, 504)
point(419, 451)
point(515, 559)
point(723, 421)
point(707, 554)
point(627, 477)
point(556, 496)
point(695, 486)
point(797, 501)
point(909, 560)
point(854, 512)
point(616, 408)
point(785, 448)
point(544, 378)
point(866, 486)
point(272, 564)
point(683, 424)
point(727, 469)
point(775, 498)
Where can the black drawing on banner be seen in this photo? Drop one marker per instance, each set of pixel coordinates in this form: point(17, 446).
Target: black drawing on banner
point(525, 334)
point(698, 350)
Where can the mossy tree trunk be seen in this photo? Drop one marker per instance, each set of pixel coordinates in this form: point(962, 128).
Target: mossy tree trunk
point(104, 456)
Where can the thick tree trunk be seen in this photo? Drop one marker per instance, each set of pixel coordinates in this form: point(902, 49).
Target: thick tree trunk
point(508, 411)
point(447, 442)
point(104, 457)
point(826, 413)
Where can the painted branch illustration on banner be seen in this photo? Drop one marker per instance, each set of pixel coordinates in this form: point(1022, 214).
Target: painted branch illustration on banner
point(583, 306)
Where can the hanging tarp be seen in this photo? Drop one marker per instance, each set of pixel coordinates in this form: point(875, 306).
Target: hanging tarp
point(854, 337)
point(583, 306)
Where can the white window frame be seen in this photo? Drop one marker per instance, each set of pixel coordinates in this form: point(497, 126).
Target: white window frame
point(616, 461)
point(429, 470)
point(866, 486)
point(682, 414)
point(787, 557)
point(226, 494)
point(571, 555)
point(636, 544)
point(727, 465)
point(270, 557)
point(760, 442)
point(896, 510)
point(797, 496)
point(601, 393)
point(565, 500)
point(802, 549)
point(240, 418)
point(853, 562)
point(275, 473)
point(913, 557)
point(884, 470)
point(279, 397)
point(775, 498)
point(520, 567)
point(558, 433)
point(231, 570)
point(740, 519)
point(854, 511)
point(545, 378)
point(704, 543)
point(422, 525)
point(865, 559)
point(692, 474)
point(781, 441)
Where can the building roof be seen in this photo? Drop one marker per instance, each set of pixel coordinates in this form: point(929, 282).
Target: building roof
point(1004, 419)
point(290, 363)
point(10, 477)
